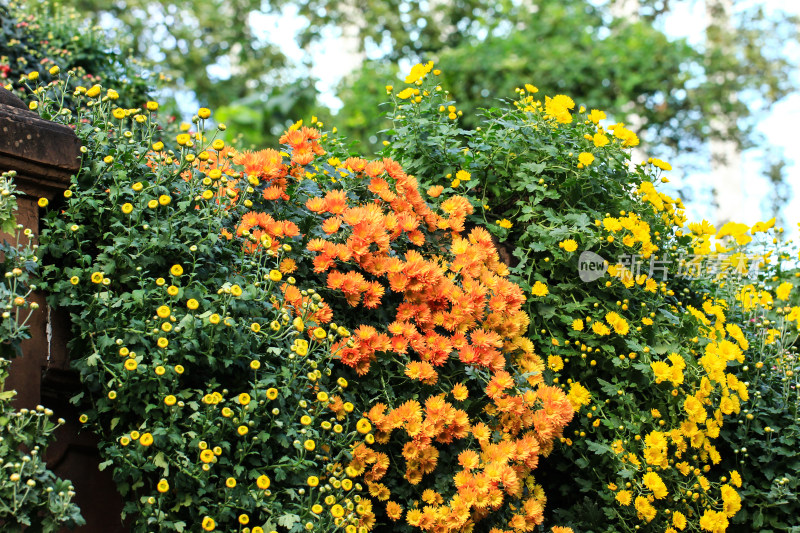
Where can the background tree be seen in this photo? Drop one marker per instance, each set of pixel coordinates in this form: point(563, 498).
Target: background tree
point(37, 36)
point(217, 51)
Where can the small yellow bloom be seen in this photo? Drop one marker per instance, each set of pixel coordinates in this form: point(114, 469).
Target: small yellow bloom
point(585, 158)
point(164, 199)
point(204, 112)
point(505, 223)
point(272, 393)
point(236, 290)
point(539, 289)
point(151, 106)
point(312, 481)
point(43, 202)
point(244, 398)
point(363, 426)
point(242, 430)
point(568, 245)
point(146, 439)
point(208, 523)
point(131, 364)
point(170, 400)
point(406, 93)
point(263, 482)
point(127, 208)
point(230, 482)
point(309, 445)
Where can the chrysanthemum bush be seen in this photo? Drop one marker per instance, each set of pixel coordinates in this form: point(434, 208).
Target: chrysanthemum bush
point(763, 444)
point(45, 38)
point(652, 364)
point(290, 339)
point(30, 494)
point(300, 338)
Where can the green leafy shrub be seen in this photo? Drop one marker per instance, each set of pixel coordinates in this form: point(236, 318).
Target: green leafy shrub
point(202, 284)
point(763, 446)
point(43, 37)
point(30, 494)
point(647, 357)
point(282, 339)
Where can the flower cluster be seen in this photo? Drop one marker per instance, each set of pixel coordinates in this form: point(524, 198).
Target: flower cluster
point(454, 326)
point(301, 338)
point(204, 284)
point(651, 364)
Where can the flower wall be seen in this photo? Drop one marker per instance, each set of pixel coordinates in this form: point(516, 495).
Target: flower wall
point(300, 338)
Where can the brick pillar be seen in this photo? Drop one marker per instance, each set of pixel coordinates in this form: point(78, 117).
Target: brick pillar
point(45, 155)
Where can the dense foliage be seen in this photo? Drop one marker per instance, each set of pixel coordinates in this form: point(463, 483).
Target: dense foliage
point(646, 351)
point(30, 494)
point(46, 38)
point(187, 265)
point(298, 338)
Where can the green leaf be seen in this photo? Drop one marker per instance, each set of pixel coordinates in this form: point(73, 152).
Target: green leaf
point(758, 518)
point(160, 461)
point(93, 359)
point(288, 520)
